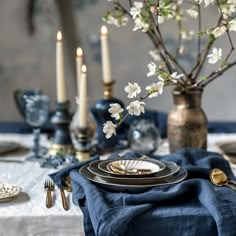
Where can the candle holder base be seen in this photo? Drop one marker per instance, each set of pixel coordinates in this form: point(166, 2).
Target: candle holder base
point(82, 156)
point(62, 142)
point(83, 144)
point(61, 149)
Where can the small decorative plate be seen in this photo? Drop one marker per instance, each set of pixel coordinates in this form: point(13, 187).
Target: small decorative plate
point(131, 167)
point(8, 192)
point(8, 146)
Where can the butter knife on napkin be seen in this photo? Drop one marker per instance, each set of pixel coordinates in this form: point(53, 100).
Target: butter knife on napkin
point(63, 199)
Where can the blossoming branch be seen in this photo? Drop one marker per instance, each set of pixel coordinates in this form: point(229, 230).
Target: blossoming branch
point(149, 16)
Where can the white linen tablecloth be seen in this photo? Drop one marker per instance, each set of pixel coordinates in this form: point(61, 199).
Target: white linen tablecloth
point(27, 215)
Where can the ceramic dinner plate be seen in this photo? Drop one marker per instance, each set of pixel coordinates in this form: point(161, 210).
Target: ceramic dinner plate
point(124, 187)
point(171, 168)
point(155, 165)
point(8, 146)
point(8, 192)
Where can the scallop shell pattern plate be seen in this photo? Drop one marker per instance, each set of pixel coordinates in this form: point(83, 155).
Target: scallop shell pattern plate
point(130, 164)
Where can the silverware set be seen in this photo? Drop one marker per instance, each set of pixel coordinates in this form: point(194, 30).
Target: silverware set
point(49, 186)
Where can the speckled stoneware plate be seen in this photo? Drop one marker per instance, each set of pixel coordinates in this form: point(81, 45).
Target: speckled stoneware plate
point(8, 192)
point(129, 164)
point(8, 146)
point(114, 186)
point(171, 168)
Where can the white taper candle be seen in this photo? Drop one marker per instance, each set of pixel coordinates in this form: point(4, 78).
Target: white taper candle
point(60, 74)
point(106, 64)
point(79, 61)
point(83, 112)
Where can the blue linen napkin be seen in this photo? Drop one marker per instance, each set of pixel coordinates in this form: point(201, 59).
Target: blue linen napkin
point(59, 175)
point(192, 207)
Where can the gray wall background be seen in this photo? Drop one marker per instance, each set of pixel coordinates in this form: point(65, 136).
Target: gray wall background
point(28, 61)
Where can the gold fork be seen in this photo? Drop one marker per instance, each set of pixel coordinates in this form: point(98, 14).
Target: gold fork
point(49, 187)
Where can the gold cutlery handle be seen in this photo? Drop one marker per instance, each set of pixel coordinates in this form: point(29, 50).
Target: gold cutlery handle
point(231, 186)
point(231, 181)
point(63, 199)
point(49, 199)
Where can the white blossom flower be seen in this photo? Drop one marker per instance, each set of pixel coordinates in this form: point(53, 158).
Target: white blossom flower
point(160, 78)
point(135, 11)
point(136, 108)
point(187, 34)
point(155, 89)
point(174, 77)
point(152, 69)
point(219, 31)
point(192, 12)
point(215, 55)
point(140, 24)
point(207, 2)
point(232, 25)
point(133, 90)
point(115, 110)
point(109, 128)
point(160, 19)
point(228, 9)
point(155, 54)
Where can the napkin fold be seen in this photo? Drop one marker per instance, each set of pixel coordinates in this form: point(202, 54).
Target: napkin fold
point(192, 207)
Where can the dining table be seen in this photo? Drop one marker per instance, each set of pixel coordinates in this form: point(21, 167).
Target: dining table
point(27, 214)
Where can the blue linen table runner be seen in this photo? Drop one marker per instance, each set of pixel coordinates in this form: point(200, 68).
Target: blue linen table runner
point(192, 207)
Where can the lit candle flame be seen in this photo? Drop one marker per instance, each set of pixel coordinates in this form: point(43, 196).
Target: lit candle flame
point(83, 69)
point(59, 36)
point(79, 52)
point(104, 30)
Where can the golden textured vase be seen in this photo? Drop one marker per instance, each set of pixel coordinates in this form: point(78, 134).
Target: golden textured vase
point(187, 122)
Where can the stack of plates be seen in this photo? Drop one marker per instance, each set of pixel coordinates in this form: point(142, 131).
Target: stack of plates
point(133, 175)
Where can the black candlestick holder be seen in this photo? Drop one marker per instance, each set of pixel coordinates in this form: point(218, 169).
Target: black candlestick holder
point(62, 143)
point(83, 144)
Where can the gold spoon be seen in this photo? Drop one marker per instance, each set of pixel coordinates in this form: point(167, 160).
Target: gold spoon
point(219, 178)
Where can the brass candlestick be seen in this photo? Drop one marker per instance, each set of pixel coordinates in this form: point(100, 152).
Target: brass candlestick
point(83, 144)
point(62, 142)
point(108, 90)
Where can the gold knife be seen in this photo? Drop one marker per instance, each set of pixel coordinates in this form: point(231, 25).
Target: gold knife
point(63, 199)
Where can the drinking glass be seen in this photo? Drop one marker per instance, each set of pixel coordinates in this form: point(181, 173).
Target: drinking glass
point(36, 114)
point(143, 136)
